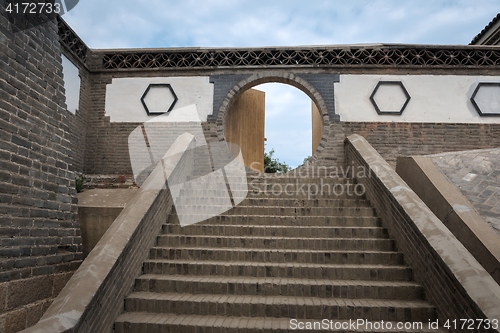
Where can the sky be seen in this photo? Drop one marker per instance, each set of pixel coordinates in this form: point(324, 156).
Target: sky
point(242, 23)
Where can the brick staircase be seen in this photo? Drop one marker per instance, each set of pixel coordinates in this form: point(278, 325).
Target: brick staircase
point(272, 259)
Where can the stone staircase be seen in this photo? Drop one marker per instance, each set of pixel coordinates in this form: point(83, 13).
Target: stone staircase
point(275, 262)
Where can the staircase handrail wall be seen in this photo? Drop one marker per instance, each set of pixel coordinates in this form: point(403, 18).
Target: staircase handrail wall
point(453, 209)
point(452, 278)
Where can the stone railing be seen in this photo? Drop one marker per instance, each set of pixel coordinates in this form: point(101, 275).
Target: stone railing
point(452, 278)
point(94, 296)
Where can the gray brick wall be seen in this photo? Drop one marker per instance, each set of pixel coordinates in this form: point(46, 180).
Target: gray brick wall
point(106, 143)
point(106, 149)
point(222, 86)
point(78, 122)
point(39, 231)
point(405, 139)
point(323, 83)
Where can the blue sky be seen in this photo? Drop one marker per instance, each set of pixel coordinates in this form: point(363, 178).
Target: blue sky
point(243, 23)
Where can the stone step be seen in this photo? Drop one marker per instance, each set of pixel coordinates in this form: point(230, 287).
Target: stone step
point(143, 322)
point(279, 306)
point(278, 256)
point(284, 211)
point(327, 184)
point(304, 202)
point(221, 193)
point(279, 286)
point(288, 251)
point(280, 202)
point(254, 242)
point(285, 188)
point(265, 181)
point(284, 270)
point(334, 221)
point(275, 231)
point(322, 185)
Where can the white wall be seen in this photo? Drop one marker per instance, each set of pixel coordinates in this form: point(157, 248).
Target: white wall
point(123, 97)
point(434, 98)
point(71, 84)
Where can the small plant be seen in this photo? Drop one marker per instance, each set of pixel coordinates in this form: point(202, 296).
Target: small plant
point(79, 180)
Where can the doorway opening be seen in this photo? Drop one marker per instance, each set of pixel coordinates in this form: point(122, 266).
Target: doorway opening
point(277, 120)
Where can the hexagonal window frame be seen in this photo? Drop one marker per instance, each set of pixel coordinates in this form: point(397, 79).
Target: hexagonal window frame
point(392, 83)
point(155, 85)
point(476, 106)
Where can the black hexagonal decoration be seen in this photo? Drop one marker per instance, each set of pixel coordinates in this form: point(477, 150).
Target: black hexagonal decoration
point(168, 89)
point(487, 104)
point(380, 110)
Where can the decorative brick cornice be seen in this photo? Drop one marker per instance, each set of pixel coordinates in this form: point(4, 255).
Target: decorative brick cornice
point(327, 56)
point(72, 42)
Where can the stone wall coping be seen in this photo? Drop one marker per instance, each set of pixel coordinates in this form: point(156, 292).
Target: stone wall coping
point(449, 204)
point(70, 310)
point(332, 56)
point(299, 47)
point(109, 198)
point(478, 284)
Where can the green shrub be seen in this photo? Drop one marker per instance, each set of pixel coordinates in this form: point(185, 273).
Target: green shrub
point(273, 165)
point(79, 180)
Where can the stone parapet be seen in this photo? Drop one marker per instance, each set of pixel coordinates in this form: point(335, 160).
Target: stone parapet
point(453, 209)
point(452, 278)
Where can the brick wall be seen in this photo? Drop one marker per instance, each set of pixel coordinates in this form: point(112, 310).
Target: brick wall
point(108, 150)
point(107, 153)
point(40, 243)
point(78, 122)
point(404, 139)
point(106, 145)
point(392, 139)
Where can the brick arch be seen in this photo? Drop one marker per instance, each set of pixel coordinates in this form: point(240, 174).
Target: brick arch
point(285, 78)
